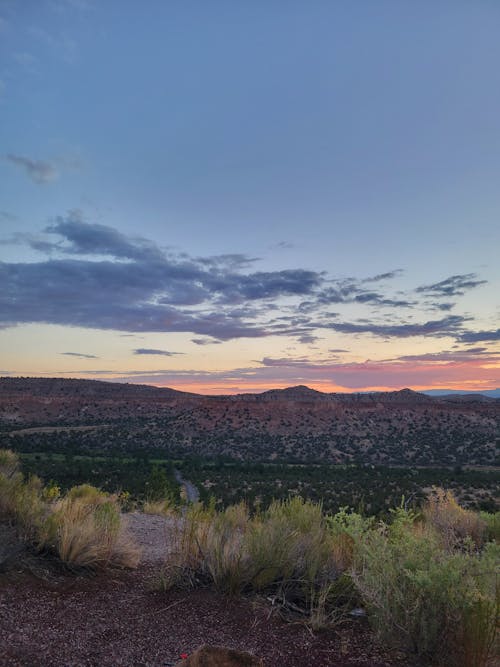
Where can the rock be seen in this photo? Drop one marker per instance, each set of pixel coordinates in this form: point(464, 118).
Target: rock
point(219, 656)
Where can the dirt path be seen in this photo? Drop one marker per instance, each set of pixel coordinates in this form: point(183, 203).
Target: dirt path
point(192, 493)
point(151, 533)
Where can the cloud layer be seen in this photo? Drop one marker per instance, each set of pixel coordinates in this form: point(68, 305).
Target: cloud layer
point(95, 276)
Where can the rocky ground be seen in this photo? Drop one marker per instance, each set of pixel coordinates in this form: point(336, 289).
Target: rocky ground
point(52, 618)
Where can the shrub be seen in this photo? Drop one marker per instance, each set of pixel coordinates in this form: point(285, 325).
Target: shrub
point(84, 530)
point(286, 551)
point(21, 503)
point(348, 528)
point(9, 463)
point(492, 521)
point(454, 523)
point(439, 604)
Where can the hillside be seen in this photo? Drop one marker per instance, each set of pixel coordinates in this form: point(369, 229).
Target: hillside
point(297, 423)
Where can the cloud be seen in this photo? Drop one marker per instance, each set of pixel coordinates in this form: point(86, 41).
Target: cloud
point(282, 245)
point(148, 350)
point(39, 171)
point(82, 238)
point(443, 307)
point(478, 336)
point(482, 354)
point(324, 374)
point(94, 276)
point(79, 355)
point(351, 290)
point(389, 275)
point(453, 286)
point(205, 341)
point(307, 339)
point(231, 261)
point(448, 326)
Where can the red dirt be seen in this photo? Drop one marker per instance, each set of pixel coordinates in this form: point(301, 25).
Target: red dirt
point(118, 620)
point(49, 618)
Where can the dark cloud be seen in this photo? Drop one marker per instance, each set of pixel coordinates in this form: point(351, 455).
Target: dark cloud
point(376, 299)
point(109, 295)
point(265, 285)
point(307, 339)
point(282, 245)
point(148, 350)
point(39, 171)
point(452, 286)
point(351, 290)
point(80, 355)
point(478, 336)
point(97, 277)
point(448, 326)
point(384, 276)
point(231, 260)
point(205, 341)
point(443, 307)
point(82, 238)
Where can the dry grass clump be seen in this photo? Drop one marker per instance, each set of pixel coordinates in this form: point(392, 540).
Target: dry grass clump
point(84, 530)
point(163, 507)
point(452, 522)
point(9, 463)
point(287, 552)
point(20, 499)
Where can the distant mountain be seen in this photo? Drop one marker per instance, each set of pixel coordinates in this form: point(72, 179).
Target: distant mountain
point(76, 388)
point(297, 423)
point(492, 393)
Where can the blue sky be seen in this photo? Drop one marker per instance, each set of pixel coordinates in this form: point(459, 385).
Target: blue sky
point(271, 180)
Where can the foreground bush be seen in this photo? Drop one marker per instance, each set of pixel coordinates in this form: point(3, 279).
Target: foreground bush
point(429, 581)
point(288, 552)
point(83, 528)
point(441, 605)
point(453, 523)
point(20, 499)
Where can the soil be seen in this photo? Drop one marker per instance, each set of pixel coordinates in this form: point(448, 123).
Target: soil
point(49, 617)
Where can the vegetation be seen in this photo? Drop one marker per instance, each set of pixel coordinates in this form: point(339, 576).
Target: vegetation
point(428, 580)
point(427, 577)
point(436, 597)
point(372, 489)
point(82, 528)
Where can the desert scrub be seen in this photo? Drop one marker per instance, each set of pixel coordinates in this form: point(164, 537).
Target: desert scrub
point(20, 499)
point(286, 552)
point(348, 528)
point(453, 523)
point(492, 522)
point(84, 529)
point(9, 462)
point(439, 604)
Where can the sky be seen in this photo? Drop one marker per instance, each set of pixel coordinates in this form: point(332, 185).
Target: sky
point(227, 197)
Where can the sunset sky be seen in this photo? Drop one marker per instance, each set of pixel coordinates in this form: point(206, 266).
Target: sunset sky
point(231, 196)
